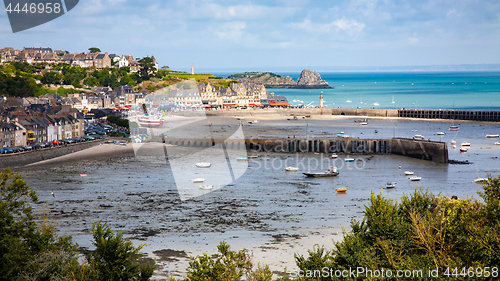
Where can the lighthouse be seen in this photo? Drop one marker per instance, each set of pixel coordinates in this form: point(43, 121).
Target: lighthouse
point(192, 68)
point(321, 100)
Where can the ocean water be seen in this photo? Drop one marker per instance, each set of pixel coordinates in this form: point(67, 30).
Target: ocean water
point(428, 90)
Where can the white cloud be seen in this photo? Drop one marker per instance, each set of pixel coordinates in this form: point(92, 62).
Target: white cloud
point(233, 31)
point(350, 26)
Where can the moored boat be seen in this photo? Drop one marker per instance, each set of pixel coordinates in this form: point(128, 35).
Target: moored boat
point(150, 121)
point(242, 159)
point(333, 156)
point(440, 133)
point(463, 149)
point(454, 128)
point(206, 187)
point(414, 178)
point(492, 136)
point(332, 172)
point(408, 173)
point(203, 165)
point(291, 169)
point(198, 180)
point(240, 118)
point(497, 143)
point(341, 190)
point(349, 160)
point(390, 185)
point(480, 180)
point(465, 143)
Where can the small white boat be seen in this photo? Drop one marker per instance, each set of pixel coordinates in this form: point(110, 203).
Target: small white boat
point(348, 101)
point(376, 104)
point(242, 159)
point(252, 156)
point(497, 143)
point(198, 180)
point(390, 185)
point(453, 146)
point(453, 128)
point(240, 118)
point(417, 136)
point(206, 187)
point(414, 178)
point(83, 175)
point(364, 123)
point(440, 133)
point(393, 100)
point(203, 165)
point(332, 172)
point(333, 156)
point(465, 143)
point(480, 180)
point(291, 169)
point(254, 122)
point(463, 149)
point(492, 136)
point(453, 142)
point(349, 159)
point(408, 173)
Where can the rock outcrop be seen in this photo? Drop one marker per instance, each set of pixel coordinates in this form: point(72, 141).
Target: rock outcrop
point(308, 80)
point(311, 79)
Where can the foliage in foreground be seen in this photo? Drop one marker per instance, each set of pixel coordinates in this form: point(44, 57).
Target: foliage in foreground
point(421, 232)
point(31, 251)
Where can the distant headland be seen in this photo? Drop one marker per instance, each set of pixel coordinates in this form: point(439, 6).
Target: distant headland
point(308, 80)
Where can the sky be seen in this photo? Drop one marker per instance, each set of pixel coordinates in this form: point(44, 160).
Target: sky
point(276, 34)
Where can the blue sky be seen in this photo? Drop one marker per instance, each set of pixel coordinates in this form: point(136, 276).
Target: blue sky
point(270, 35)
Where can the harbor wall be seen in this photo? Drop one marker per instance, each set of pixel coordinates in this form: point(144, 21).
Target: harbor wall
point(304, 111)
point(33, 156)
point(475, 115)
point(425, 150)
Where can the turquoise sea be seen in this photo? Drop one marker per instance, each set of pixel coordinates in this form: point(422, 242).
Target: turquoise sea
point(430, 90)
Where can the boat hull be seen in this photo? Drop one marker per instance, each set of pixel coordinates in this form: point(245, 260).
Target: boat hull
point(320, 175)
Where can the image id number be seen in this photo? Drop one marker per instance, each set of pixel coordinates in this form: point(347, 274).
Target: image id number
point(33, 8)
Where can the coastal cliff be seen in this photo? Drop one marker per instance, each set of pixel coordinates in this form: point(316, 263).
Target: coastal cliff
point(308, 80)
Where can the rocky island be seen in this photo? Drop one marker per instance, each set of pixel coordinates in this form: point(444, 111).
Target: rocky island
point(308, 80)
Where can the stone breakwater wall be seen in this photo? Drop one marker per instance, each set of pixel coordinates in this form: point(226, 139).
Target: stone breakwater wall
point(425, 150)
point(29, 157)
point(306, 111)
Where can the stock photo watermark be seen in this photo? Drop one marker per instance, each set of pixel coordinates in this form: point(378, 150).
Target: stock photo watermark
point(26, 14)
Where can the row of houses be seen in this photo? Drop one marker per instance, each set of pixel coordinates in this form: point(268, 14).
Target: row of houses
point(86, 60)
point(40, 128)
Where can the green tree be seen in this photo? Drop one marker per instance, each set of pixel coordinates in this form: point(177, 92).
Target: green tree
point(147, 68)
point(94, 50)
point(51, 78)
point(115, 258)
point(25, 247)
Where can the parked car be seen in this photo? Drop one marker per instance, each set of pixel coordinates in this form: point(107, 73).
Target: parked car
point(6, 150)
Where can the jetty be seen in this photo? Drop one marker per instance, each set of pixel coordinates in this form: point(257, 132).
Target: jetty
point(475, 115)
point(420, 149)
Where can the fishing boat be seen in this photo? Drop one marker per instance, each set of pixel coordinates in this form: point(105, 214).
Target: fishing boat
point(454, 128)
point(440, 133)
point(150, 121)
point(291, 169)
point(480, 180)
point(465, 143)
point(414, 178)
point(408, 173)
point(492, 136)
point(206, 187)
point(332, 172)
point(463, 149)
point(349, 160)
point(198, 180)
point(341, 190)
point(333, 156)
point(390, 185)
